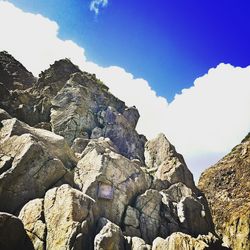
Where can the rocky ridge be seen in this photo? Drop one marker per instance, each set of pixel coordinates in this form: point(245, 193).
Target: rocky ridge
point(227, 188)
point(78, 175)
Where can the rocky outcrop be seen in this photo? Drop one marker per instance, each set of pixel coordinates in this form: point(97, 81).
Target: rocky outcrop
point(183, 241)
point(13, 74)
point(31, 161)
point(85, 105)
point(72, 166)
point(227, 188)
point(171, 210)
point(166, 164)
point(110, 179)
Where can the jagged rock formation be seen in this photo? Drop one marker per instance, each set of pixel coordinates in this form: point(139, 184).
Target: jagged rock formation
point(72, 167)
point(13, 73)
point(227, 187)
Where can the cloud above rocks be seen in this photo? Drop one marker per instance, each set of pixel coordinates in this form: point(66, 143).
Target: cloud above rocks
point(204, 121)
point(95, 5)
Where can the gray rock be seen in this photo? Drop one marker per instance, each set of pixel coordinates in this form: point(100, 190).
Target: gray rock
point(110, 179)
point(186, 242)
point(109, 238)
point(31, 162)
point(32, 216)
point(69, 218)
point(169, 166)
point(149, 205)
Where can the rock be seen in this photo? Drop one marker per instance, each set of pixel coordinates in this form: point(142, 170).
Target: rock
point(132, 116)
point(131, 222)
point(227, 188)
point(96, 133)
point(126, 139)
point(193, 217)
point(13, 74)
point(76, 110)
point(79, 144)
point(69, 218)
point(32, 216)
point(149, 205)
point(51, 141)
point(4, 115)
point(182, 205)
point(168, 165)
point(139, 244)
point(12, 233)
point(186, 242)
point(132, 217)
point(109, 238)
point(28, 167)
point(110, 179)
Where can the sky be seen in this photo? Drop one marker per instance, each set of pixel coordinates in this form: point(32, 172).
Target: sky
point(187, 61)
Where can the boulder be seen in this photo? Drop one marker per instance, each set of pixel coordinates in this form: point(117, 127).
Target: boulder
point(149, 205)
point(169, 166)
point(182, 205)
point(131, 222)
point(138, 244)
point(32, 216)
point(68, 218)
point(31, 163)
point(186, 242)
point(12, 233)
point(110, 237)
point(110, 179)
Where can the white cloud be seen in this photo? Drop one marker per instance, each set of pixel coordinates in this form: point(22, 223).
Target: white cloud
point(95, 5)
point(203, 122)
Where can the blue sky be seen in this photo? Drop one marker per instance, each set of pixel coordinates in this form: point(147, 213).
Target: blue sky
point(183, 64)
point(169, 43)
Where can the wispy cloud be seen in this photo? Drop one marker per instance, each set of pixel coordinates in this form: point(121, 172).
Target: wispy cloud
point(95, 5)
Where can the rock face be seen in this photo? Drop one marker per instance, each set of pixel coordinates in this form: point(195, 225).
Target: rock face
point(110, 179)
point(186, 242)
point(32, 160)
point(227, 187)
point(13, 74)
point(72, 167)
point(167, 165)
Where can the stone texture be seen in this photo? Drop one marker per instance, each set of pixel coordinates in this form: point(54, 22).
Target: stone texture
point(181, 241)
point(227, 188)
point(13, 74)
point(149, 205)
point(101, 164)
point(76, 110)
point(69, 218)
point(12, 233)
point(139, 244)
point(169, 166)
point(32, 216)
point(28, 167)
point(109, 238)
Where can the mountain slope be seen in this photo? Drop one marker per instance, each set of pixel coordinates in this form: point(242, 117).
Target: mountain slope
point(227, 188)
